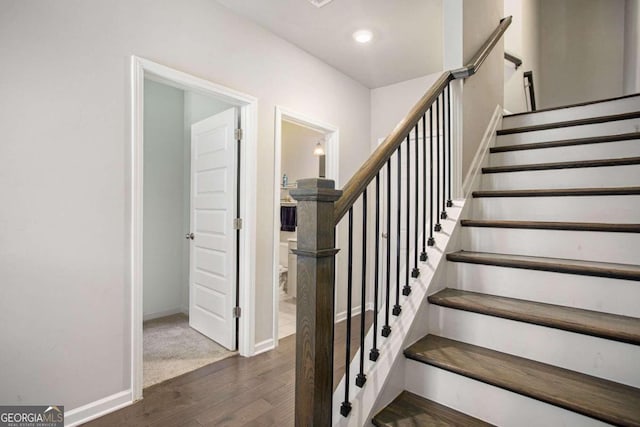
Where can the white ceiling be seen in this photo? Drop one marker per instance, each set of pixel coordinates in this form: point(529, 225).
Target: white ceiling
point(407, 34)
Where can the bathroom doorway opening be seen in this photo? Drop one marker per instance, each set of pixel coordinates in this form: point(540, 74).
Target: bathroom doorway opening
point(304, 148)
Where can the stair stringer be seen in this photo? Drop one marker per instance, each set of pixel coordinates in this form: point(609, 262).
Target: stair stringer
point(386, 377)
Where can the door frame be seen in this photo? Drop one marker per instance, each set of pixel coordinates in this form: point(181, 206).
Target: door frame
point(143, 68)
point(332, 160)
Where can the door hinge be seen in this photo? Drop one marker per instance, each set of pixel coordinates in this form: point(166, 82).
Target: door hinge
point(238, 134)
point(237, 312)
point(237, 223)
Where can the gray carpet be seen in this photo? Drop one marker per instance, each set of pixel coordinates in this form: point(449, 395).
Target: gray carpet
point(172, 348)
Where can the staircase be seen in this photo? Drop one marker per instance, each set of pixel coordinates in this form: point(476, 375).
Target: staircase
point(538, 320)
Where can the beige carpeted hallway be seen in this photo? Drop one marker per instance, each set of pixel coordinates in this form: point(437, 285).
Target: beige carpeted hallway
point(172, 348)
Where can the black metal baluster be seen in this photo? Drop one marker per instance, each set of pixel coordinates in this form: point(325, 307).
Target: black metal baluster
point(423, 254)
point(444, 215)
point(361, 378)
point(396, 307)
point(345, 408)
point(450, 200)
point(438, 227)
point(406, 290)
point(374, 353)
point(386, 329)
point(431, 240)
point(416, 272)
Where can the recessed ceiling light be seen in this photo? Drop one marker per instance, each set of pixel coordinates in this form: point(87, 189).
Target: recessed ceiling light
point(320, 3)
point(363, 36)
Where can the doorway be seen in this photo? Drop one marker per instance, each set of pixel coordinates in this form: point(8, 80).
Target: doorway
point(190, 158)
point(304, 148)
point(191, 260)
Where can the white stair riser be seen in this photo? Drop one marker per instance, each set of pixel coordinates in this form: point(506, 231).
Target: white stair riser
point(492, 404)
point(607, 176)
point(571, 132)
point(570, 290)
point(620, 209)
point(621, 248)
point(608, 150)
point(611, 360)
point(607, 108)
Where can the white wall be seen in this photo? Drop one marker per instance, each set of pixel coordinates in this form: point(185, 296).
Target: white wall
point(453, 30)
point(163, 198)
point(581, 51)
point(521, 40)
point(198, 107)
point(576, 49)
point(64, 248)
point(389, 104)
point(485, 89)
point(631, 47)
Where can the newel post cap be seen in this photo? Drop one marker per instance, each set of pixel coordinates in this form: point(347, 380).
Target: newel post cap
point(316, 189)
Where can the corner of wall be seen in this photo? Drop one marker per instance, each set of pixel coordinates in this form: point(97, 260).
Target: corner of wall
point(93, 410)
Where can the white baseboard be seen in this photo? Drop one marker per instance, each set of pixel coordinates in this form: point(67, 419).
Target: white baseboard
point(263, 346)
point(96, 409)
point(164, 313)
point(488, 140)
point(354, 312)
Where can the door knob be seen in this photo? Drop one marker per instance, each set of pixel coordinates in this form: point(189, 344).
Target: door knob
point(189, 236)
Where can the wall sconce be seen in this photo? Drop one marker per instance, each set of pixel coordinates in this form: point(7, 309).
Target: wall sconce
point(319, 152)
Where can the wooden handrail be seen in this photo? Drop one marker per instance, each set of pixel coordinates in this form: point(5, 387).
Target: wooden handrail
point(370, 168)
point(513, 59)
point(478, 59)
point(361, 179)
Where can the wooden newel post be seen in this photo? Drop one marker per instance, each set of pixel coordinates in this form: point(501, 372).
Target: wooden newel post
point(315, 301)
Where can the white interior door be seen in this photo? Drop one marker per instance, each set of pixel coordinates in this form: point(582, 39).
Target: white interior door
point(212, 275)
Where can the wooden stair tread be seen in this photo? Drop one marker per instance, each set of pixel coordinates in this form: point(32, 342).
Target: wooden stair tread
point(595, 397)
point(568, 123)
point(410, 410)
point(563, 165)
point(551, 225)
point(586, 268)
point(556, 192)
point(594, 323)
point(567, 142)
point(580, 104)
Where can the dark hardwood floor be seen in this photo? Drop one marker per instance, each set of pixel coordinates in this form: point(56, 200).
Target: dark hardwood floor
point(237, 391)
